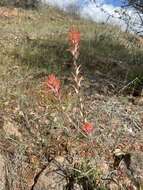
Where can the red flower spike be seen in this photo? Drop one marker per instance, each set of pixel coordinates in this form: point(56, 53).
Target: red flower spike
point(74, 36)
point(87, 128)
point(53, 84)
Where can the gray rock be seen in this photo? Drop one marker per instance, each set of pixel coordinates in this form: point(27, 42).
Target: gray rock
point(52, 178)
point(2, 173)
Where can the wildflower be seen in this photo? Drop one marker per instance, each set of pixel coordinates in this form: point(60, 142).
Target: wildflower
point(53, 84)
point(87, 128)
point(74, 36)
point(74, 41)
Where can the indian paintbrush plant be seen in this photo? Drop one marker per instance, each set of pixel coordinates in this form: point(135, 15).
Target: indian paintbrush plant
point(74, 43)
point(53, 84)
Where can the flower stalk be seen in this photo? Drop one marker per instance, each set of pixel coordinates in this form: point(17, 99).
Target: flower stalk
point(74, 42)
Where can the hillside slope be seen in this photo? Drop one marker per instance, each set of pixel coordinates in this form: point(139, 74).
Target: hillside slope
point(40, 134)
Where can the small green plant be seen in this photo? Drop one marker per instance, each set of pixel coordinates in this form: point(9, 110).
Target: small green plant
point(85, 175)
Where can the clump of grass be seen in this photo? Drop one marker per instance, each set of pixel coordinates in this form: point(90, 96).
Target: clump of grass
point(86, 175)
point(42, 54)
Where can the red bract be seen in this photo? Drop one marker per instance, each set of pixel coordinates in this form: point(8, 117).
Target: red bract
point(74, 36)
point(87, 128)
point(53, 84)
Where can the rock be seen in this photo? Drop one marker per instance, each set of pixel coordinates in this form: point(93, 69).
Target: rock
point(103, 167)
point(137, 166)
point(52, 178)
point(130, 174)
point(60, 159)
point(140, 102)
point(2, 173)
point(113, 186)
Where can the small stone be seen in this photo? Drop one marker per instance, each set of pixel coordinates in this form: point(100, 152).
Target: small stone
point(60, 159)
point(113, 186)
point(11, 129)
